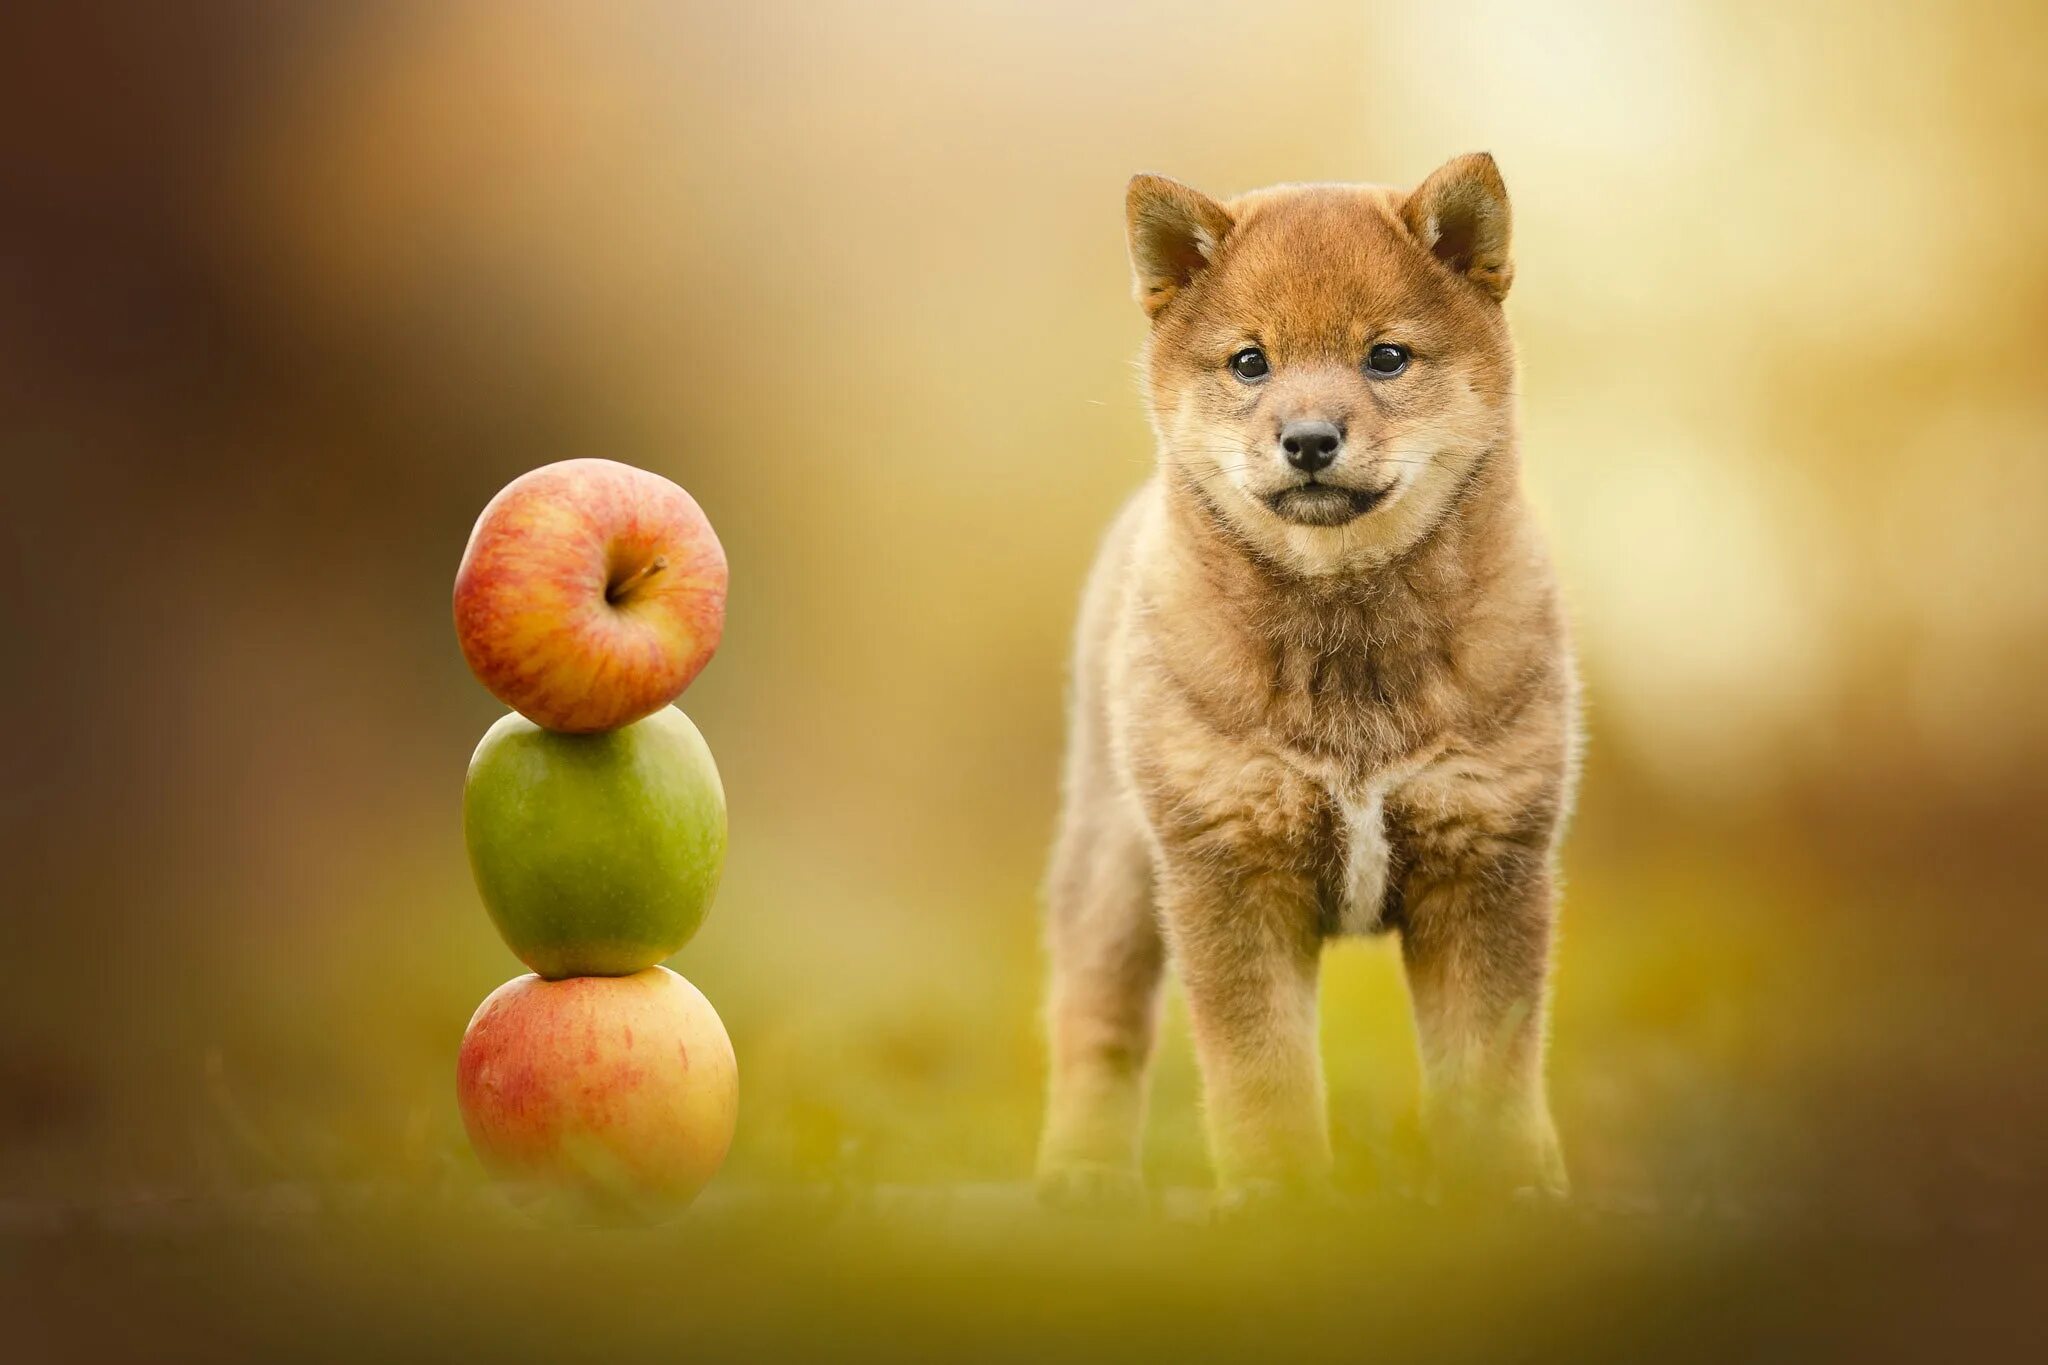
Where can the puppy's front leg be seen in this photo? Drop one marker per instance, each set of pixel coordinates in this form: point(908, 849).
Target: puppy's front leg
point(1248, 948)
point(1476, 944)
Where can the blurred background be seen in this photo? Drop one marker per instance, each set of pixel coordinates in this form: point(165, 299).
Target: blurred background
point(287, 292)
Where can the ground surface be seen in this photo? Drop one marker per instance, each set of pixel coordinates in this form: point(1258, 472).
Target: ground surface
point(1804, 1116)
point(979, 1273)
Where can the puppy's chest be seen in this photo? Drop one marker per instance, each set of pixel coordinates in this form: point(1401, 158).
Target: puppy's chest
point(1358, 854)
point(1352, 713)
point(1361, 706)
point(1357, 723)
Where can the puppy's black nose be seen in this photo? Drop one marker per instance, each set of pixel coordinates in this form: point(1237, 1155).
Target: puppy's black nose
point(1311, 445)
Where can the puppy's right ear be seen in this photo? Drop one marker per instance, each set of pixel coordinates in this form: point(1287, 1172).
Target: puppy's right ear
point(1175, 232)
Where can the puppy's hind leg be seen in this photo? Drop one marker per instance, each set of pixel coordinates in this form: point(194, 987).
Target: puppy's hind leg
point(1103, 1008)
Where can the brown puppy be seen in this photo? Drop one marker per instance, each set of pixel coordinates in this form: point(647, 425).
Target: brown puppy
point(1322, 686)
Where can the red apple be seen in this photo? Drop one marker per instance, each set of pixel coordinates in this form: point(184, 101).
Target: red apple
point(621, 1090)
point(590, 594)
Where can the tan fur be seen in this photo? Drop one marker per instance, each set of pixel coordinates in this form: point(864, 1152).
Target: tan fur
point(1251, 691)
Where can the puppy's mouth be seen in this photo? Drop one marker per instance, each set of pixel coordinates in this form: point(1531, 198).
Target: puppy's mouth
point(1323, 504)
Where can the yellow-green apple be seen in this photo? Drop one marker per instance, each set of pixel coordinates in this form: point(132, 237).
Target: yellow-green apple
point(596, 855)
point(590, 594)
point(619, 1090)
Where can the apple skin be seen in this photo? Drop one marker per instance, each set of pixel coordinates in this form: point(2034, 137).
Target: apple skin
point(590, 594)
point(620, 1091)
point(596, 855)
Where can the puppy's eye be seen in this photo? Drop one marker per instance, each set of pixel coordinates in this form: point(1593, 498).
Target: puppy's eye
point(1386, 360)
point(1250, 365)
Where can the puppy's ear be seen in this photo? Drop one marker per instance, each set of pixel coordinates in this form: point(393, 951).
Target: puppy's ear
point(1460, 215)
point(1174, 235)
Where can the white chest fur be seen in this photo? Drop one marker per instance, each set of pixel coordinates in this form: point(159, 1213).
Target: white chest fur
point(1365, 865)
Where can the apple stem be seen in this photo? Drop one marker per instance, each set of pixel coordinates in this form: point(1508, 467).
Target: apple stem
point(618, 591)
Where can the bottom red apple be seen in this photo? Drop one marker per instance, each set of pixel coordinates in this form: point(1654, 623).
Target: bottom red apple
point(622, 1090)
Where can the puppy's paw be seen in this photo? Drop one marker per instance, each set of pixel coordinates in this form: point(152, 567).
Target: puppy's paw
point(1256, 1198)
point(1102, 1187)
point(1540, 1198)
point(1524, 1169)
point(1551, 1187)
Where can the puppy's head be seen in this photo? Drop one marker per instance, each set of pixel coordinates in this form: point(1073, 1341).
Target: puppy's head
point(1327, 362)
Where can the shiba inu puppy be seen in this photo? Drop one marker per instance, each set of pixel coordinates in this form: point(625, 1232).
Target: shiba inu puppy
point(1322, 687)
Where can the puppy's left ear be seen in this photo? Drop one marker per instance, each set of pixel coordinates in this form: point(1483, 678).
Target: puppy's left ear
point(1460, 216)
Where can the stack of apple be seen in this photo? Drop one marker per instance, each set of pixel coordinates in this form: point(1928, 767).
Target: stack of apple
point(590, 595)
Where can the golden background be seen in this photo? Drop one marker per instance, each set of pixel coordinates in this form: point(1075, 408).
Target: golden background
point(286, 293)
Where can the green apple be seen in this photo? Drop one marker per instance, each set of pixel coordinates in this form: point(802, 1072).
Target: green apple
point(597, 855)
